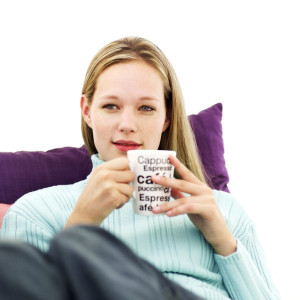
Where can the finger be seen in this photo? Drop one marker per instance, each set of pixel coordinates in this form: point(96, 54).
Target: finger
point(125, 189)
point(121, 205)
point(121, 176)
point(124, 176)
point(176, 194)
point(119, 200)
point(183, 171)
point(187, 208)
point(183, 206)
point(164, 207)
point(121, 195)
point(117, 164)
point(178, 184)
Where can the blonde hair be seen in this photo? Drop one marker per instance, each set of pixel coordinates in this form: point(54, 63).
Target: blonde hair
point(178, 136)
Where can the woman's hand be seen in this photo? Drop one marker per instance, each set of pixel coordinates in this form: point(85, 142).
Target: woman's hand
point(107, 189)
point(200, 206)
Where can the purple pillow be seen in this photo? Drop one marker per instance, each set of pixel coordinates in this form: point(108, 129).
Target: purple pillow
point(208, 132)
point(26, 171)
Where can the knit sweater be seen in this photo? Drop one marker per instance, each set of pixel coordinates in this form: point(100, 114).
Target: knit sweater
point(174, 245)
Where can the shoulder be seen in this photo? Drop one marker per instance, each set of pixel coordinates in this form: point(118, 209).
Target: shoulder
point(225, 200)
point(235, 215)
point(51, 194)
point(47, 204)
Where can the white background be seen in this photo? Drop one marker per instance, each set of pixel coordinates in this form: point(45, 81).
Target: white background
point(244, 54)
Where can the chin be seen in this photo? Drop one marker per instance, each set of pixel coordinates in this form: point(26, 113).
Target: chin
point(119, 155)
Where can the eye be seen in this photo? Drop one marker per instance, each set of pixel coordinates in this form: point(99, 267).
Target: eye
point(147, 108)
point(110, 106)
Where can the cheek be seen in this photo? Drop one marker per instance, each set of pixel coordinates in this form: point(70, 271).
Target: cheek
point(101, 128)
point(153, 131)
point(152, 126)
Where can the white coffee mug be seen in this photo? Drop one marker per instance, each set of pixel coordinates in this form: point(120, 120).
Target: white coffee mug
point(144, 164)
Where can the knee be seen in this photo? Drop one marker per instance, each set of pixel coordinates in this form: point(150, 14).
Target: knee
point(28, 273)
point(87, 240)
point(81, 238)
point(18, 252)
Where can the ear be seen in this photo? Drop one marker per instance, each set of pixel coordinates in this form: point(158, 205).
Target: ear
point(166, 124)
point(85, 110)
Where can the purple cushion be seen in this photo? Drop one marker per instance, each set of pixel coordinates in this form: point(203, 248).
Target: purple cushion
point(208, 132)
point(26, 171)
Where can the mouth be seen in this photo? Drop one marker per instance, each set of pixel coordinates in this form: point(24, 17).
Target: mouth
point(125, 146)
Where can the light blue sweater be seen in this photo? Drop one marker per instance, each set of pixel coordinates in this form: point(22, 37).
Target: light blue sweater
point(174, 245)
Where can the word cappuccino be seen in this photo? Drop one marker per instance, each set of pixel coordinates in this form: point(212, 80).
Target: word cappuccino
point(155, 164)
point(144, 164)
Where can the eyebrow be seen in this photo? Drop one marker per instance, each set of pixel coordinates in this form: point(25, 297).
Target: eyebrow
point(113, 97)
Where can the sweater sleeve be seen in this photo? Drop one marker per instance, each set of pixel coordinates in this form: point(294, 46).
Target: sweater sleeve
point(18, 227)
point(245, 273)
point(38, 216)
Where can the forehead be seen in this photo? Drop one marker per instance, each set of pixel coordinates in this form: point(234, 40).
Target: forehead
point(130, 75)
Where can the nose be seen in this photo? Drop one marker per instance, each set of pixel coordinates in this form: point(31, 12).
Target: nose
point(127, 122)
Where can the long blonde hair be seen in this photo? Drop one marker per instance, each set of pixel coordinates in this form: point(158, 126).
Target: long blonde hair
point(178, 136)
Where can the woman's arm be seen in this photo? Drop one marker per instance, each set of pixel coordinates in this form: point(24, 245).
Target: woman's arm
point(18, 227)
point(238, 253)
point(245, 273)
point(201, 207)
point(107, 188)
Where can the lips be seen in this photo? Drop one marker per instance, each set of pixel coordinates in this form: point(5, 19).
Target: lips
point(125, 146)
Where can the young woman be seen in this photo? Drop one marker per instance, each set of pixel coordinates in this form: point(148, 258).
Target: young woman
point(131, 99)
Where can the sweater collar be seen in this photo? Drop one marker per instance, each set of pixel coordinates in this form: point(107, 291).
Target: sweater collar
point(96, 161)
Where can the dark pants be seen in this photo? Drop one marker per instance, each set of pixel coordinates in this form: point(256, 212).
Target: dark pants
point(83, 262)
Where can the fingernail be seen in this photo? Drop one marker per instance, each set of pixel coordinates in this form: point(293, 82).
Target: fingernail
point(169, 213)
point(156, 208)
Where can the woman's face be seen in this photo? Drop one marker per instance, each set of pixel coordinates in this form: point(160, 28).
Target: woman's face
point(127, 111)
